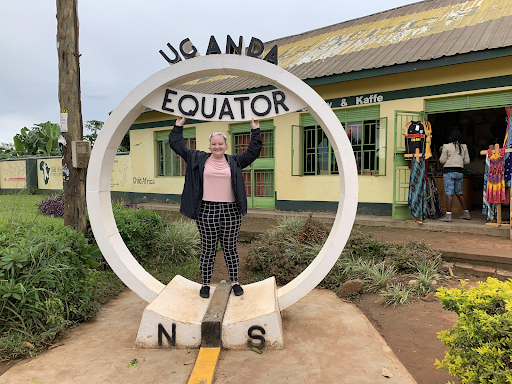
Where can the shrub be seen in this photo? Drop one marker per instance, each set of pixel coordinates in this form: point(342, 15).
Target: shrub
point(403, 256)
point(287, 249)
point(52, 206)
point(379, 277)
point(479, 344)
point(425, 271)
point(179, 242)
point(44, 285)
point(395, 294)
point(139, 229)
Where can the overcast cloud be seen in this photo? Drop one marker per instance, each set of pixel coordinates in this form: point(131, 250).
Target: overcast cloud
point(120, 40)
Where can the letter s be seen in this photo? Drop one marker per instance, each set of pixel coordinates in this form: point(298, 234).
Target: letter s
point(256, 337)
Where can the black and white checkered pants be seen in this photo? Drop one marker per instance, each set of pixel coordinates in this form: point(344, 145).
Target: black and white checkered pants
point(219, 221)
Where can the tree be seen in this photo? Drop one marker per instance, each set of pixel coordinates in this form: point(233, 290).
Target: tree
point(6, 150)
point(95, 126)
point(40, 140)
point(70, 103)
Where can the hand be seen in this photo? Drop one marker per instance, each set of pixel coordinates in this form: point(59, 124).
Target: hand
point(255, 123)
point(180, 121)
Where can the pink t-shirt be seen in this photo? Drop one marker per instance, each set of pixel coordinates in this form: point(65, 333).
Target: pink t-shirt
point(217, 180)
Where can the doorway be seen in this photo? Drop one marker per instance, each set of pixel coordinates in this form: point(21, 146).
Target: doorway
point(480, 128)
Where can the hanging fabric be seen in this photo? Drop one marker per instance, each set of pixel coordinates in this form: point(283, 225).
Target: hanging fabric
point(488, 209)
point(495, 180)
point(417, 200)
point(428, 139)
point(434, 206)
point(508, 145)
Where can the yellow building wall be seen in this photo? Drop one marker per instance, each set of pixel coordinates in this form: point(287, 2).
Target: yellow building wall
point(421, 78)
point(372, 189)
point(54, 180)
point(13, 174)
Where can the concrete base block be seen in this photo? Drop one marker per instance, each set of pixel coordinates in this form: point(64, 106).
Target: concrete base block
point(258, 306)
point(178, 303)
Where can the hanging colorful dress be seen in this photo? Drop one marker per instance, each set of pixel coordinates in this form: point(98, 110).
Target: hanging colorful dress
point(495, 180)
point(488, 209)
point(508, 145)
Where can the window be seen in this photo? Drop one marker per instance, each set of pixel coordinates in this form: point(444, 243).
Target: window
point(363, 136)
point(241, 142)
point(365, 130)
point(168, 162)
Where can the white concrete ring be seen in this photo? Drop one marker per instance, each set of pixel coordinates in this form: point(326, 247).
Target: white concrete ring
point(100, 168)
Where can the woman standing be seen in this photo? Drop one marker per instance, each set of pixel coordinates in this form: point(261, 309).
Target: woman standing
point(453, 157)
point(214, 196)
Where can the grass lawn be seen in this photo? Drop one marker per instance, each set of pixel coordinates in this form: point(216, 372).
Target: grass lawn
point(23, 208)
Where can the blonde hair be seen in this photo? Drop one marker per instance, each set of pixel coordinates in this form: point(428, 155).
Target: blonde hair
point(218, 134)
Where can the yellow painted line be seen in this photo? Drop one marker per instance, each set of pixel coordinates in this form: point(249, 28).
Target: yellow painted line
point(204, 368)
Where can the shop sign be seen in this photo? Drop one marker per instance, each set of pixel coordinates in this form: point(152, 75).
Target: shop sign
point(355, 100)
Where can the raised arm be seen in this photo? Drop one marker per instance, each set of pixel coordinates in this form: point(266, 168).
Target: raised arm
point(176, 141)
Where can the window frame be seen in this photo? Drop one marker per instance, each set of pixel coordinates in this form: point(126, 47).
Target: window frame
point(175, 163)
point(369, 120)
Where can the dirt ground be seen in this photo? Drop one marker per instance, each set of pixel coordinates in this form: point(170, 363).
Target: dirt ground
point(410, 331)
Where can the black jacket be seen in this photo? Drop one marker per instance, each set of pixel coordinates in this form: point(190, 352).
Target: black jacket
point(193, 189)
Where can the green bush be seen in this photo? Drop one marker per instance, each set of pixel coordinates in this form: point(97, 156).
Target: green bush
point(403, 256)
point(286, 250)
point(178, 246)
point(179, 242)
point(480, 343)
point(44, 285)
point(395, 294)
point(139, 229)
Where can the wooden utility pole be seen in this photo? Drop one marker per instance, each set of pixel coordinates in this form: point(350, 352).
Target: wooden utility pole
point(70, 101)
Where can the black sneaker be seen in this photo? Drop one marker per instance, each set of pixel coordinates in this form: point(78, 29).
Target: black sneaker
point(238, 290)
point(204, 292)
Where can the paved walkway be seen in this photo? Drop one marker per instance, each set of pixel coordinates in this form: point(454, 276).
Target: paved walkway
point(327, 340)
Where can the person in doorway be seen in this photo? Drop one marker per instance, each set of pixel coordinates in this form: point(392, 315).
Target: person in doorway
point(214, 196)
point(454, 156)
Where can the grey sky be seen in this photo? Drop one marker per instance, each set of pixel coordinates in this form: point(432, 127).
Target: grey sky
point(120, 40)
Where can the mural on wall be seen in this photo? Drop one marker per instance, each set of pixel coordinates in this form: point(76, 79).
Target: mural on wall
point(49, 173)
point(46, 171)
point(13, 174)
point(120, 172)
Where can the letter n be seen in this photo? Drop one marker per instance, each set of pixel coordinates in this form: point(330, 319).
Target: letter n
point(170, 340)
